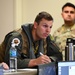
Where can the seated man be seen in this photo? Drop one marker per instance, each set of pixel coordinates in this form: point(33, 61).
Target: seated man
point(67, 30)
point(33, 39)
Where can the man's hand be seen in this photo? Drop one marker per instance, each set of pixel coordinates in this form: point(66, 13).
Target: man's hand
point(5, 66)
point(43, 59)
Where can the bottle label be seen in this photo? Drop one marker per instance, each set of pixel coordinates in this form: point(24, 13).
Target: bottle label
point(13, 53)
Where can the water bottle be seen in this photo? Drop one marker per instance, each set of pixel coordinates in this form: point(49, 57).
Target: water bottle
point(66, 53)
point(74, 47)
point(69, 49)
point(13, 58)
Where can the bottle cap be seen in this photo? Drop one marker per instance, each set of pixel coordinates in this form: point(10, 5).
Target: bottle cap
point(13, 45)
point(69, 40)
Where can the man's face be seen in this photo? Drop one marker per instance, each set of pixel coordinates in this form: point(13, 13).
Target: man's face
point(68, 14)
point(43, 29)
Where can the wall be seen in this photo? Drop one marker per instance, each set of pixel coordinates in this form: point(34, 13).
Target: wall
point(14, 13)
point(32, 7)
point(6, 17)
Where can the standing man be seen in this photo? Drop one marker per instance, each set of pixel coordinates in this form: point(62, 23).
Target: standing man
point(67, 30)
point(34, 44)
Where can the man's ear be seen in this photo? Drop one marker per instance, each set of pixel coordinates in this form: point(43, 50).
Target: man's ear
point(35, 25)
point(62, 14)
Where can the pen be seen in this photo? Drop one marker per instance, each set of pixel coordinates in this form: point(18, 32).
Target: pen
point(41, 53)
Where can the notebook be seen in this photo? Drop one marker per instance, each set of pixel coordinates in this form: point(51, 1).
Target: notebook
point(66, 68)
point(47, 69)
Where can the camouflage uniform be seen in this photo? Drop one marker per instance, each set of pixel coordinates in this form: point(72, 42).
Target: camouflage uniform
point(28, 48)
point(61, 34)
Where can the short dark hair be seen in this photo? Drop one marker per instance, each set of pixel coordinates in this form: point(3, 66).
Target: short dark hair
point(68, 4)
point(42, 15)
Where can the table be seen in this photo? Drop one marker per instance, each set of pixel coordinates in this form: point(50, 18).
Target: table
point(22, 72)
